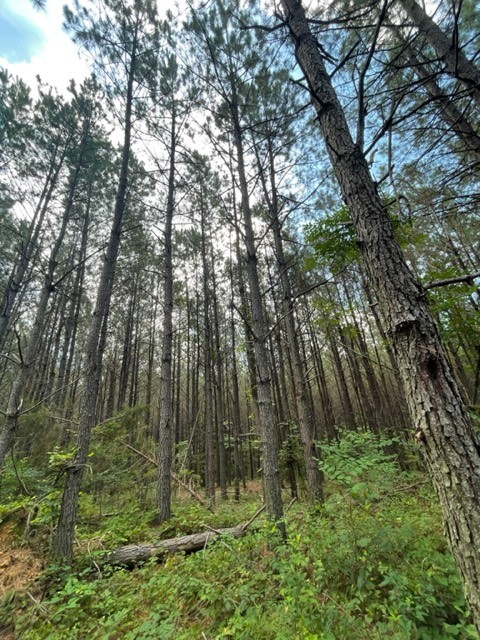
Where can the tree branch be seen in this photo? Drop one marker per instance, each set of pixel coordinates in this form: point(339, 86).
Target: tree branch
point(469, 278)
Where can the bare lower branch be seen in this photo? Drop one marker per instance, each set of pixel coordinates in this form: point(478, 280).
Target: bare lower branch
point(469, 278)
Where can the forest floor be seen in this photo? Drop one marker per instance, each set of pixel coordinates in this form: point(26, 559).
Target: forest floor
point(370, 564)
point(18, 565)
point(19, 568)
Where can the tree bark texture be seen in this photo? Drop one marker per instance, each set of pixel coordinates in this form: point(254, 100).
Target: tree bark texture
point(443, 429)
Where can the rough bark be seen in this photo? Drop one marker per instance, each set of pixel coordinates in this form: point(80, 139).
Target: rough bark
point(443, 428)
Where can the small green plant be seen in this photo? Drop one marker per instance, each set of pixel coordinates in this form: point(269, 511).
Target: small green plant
point(359, 456)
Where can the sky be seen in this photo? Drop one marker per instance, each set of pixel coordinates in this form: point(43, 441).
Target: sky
point(32, 42)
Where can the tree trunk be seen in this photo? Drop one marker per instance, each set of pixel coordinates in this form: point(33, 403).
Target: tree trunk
point(456, 63)
point(135, 554)
point(306, 423)
point(30, 246)
point(31, 352)
point(207, 361)
point(63, 544)
point(151, 359)
point(236, 420)
point(341, 380)
point(448, 110)
point(73, 320)
point(165, 432)
point(443, 428)
point(267, 426)
point(125, 370)
point(219, 387)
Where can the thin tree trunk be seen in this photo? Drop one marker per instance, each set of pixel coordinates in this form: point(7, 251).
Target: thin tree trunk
point(151, 358)
point(267, 426)
point(64, 539)
point(306, 424)
point(73, 322)
point(30, 247)
point(165, 431)
point(448, 110)
point(236, 420)
point(345, 399)
point(15, 399)
point(125, 370)
point(218, 380)
point(207, 357)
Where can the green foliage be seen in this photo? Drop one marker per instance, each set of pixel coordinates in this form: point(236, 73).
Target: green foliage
point(59, 460)
point(372, 564)
point(8, 509)
point(358, 456)
point(334, 240)
point(291, 452)
point(33, 479)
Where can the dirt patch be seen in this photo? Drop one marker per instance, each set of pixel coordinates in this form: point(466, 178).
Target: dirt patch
point(18, 566)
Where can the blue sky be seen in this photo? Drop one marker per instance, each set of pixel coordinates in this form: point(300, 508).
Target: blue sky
point(33, 42)
point(20, 38)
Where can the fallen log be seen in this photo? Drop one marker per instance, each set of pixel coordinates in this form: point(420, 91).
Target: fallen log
point(134, 554)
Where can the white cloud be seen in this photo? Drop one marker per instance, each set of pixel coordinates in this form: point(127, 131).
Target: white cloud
point(58, 61)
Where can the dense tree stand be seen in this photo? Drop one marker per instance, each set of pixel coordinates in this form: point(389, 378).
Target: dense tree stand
point(208, 304)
